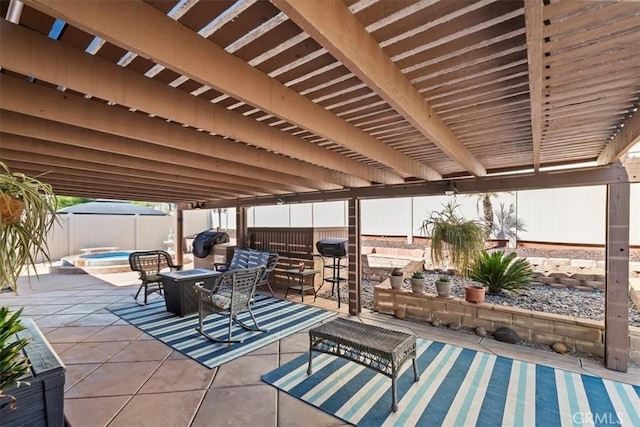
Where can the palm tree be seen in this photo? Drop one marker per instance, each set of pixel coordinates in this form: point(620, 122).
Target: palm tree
point(487, 209)
point(507, 224)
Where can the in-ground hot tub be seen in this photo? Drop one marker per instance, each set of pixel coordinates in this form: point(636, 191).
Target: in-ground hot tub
point(102, 259)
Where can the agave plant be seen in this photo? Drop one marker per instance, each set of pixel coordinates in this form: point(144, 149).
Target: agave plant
point(500, 272)
point(28, 208)
point(13, 365)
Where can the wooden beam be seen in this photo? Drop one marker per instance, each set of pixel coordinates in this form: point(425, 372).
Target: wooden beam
point(626, 138)
point(616, 322)
point(32, 54)
point(533, 20)
point(117, 150)
point(332, 25)
point(17, 95)
point(601, 175)
point(140, 28)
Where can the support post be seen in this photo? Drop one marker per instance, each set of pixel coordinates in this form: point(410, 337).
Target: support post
point(241, 227)
point(355, 274)
point(616, 321)
point(180, 237)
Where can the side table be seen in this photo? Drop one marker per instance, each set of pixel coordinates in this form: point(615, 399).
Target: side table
point(300, 286)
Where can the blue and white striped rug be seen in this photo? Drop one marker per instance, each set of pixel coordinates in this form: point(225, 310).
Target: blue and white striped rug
point(280, 318)
point(459, 387)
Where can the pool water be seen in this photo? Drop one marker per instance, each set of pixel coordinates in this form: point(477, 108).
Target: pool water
point(102, 259)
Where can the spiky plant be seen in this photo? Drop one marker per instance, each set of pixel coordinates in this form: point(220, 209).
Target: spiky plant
point(507, 223)
point(498, 271)
point(23, 230)
point(13, 365)
point(453, 237)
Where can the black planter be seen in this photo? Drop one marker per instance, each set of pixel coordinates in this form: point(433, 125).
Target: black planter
point(41, 403)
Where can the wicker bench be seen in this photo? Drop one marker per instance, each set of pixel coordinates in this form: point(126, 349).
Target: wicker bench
point(380, 349)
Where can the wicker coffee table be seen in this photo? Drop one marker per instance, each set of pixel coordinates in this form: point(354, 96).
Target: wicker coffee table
point(380, 349)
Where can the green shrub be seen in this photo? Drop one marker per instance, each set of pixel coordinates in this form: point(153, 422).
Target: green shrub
point(417, 275)
point(13, 365)
point(444, 279)
point(500, 272)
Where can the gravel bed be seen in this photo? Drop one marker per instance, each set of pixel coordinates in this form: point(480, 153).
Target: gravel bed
point(542, 298)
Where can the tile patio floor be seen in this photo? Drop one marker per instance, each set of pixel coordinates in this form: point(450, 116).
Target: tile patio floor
point(118, 376)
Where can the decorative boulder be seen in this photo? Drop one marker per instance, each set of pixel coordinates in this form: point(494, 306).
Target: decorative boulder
point(481, 332)
point(505, 334)
point(559, 348)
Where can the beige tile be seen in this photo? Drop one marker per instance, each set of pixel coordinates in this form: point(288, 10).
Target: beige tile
point(245, 370)
point(90, 352)
point(34, 310)
point(179, 375)
point(93, 412)
point(95, 319)
point(267, 349)
point(294, 412)
point(295, 343)
point(166, 409)
point(82, 308)
point(60, 347)
point(141, 351)
point(116, 333)
point(72, 333)
point(288, 357)
point(54, 320)
point(113, 379)
point(74, 373)
point(238, 406)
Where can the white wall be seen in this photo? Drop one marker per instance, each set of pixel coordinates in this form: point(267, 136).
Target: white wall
point(127, 232)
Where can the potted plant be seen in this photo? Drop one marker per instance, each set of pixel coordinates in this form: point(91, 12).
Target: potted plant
point(417, 282)
point(396, 278)
point(443, 286)
point(13, 365)
point(499, 272)
point(27, 212)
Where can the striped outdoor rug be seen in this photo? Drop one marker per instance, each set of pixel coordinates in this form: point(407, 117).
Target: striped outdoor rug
point(459, 387)
point(280, 318)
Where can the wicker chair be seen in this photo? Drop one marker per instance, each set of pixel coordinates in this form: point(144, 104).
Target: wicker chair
point(231, 295)
point(271, 265)
point(149, 264)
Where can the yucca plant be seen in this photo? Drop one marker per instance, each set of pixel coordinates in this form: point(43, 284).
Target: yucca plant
point(498, 271)
point(453, 238)
point(13, 364)
point(28, 211)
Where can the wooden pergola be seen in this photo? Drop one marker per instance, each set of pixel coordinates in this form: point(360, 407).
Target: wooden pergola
point(241, 103)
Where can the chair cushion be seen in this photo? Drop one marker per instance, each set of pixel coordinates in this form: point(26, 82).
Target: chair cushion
point(240, 259)
point(257, 258)
point(223, 301)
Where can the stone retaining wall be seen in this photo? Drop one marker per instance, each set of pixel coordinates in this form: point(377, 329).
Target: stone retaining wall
point(586, 336)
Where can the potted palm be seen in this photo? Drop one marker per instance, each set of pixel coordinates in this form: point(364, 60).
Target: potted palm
point(27, 213)
point(396, 278)
point(443, 286)
point(417, 282)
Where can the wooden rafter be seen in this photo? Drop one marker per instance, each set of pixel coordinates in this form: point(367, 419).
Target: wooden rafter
point(77, 111)
point(337, 30)
point(140, 28)
point(533, 19)
point(626, 138)
point(29, 53)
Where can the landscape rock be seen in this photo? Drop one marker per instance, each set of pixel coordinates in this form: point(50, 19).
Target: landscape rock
point(481, 332)
point(559, 348)
point(435, 322)
point(507, 335)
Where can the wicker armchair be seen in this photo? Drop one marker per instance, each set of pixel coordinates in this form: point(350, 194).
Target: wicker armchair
point(231, 295)
point(271, 265)
point(149, 264)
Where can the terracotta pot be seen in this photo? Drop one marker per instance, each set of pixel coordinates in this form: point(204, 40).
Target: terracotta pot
point(396, 282)
point(399, 313)
point(443, 289)
point(10, 209)
point(474, 293)
point(417, 286)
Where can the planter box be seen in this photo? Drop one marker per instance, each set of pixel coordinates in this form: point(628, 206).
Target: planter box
point(42, 402)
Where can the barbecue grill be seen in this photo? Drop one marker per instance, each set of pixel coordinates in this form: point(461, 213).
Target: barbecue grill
point(332, 251)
